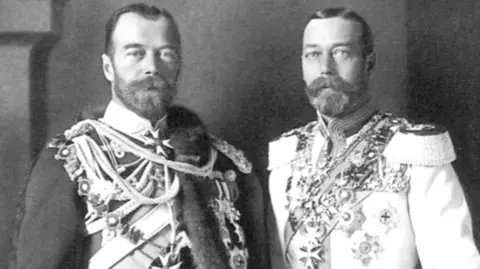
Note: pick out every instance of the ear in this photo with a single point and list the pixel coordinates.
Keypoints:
(107, 66)
(370, 62)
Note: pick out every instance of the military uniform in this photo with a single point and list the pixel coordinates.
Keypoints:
(107, 194)
(369, 191)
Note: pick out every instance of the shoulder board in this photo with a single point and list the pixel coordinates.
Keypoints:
(80, 128)
(300, 131)
(420, 144)
(284, 149)
(235, 155)
(59, 140)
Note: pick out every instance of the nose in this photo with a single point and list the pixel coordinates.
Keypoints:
(152, 65)
(327, 65)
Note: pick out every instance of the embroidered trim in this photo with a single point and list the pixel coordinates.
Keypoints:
(235, 155)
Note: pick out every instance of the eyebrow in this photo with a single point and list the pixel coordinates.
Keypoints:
(339, 44)
(138, 45)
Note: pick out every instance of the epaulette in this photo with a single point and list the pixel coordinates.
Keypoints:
(420, 144)
(80, 128)
(300, 131)
(235, 155)
(284, 149)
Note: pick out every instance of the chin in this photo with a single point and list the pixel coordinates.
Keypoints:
(329, 111)
(332, 106)
(150, 108)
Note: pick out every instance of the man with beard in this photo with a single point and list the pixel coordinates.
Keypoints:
(357, 188)
(143, 185)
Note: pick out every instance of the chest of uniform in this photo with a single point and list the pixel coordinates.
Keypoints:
(356, 207)
(362, 235)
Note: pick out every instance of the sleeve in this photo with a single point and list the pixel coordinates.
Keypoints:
(277, 217)
(253, 212)
(441, 220)
(50, 225)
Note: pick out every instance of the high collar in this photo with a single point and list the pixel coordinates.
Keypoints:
(338, 129)
(347, 125)
(127, 121)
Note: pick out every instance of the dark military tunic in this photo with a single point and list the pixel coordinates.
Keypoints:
(109, 193)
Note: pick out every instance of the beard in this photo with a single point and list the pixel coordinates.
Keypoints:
(148, 97)
(334, 97)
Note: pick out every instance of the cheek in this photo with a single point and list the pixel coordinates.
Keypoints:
(350, 73)
(127, 71)
(171, 73)
(309, 73)
(127, 74)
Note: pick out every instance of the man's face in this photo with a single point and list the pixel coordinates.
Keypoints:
(143, 64)
(334, 69)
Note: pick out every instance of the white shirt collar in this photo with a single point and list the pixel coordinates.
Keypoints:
(125, 120)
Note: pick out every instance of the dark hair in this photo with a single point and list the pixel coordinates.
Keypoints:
(146, 11)
(347, 14)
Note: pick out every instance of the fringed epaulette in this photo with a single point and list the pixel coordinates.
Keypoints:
(235, 155)
(283, 150)
(420, 144)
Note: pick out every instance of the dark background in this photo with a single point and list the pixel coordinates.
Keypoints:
(242, 75)
(443, 69)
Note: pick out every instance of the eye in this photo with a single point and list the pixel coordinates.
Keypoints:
(136, 53)
(342, 54)
(169, 55)
(312, 55)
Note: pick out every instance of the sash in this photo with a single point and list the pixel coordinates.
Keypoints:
(119, 247)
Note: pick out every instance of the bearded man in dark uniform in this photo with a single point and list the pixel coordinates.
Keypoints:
(144, 185)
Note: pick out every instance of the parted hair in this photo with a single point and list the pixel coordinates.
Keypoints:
(144, 10)
(348, 14)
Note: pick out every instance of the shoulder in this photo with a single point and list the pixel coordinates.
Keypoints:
(48, 176)
(236, 156)
(419, 144)
(62, 143)
(284, 149)
(60, 149)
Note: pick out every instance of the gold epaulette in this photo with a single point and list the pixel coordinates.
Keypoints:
(235, 155)
(80, 128)
(59, 140)
(420, 144)
(284, 149)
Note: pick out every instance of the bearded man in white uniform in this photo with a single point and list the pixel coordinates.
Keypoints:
(358, 188)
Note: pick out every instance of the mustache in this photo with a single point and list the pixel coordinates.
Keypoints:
(327, 82)
(151, 83)
(333, 82)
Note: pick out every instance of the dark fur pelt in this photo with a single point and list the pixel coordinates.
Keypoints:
(207, 248)
(187, 135)
(190, 142)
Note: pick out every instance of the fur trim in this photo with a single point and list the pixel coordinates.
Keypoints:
(207, 250)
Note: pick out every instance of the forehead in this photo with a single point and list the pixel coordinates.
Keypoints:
(326, 32)
(133, 28)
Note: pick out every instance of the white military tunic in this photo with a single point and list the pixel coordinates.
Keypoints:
(424, 221)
